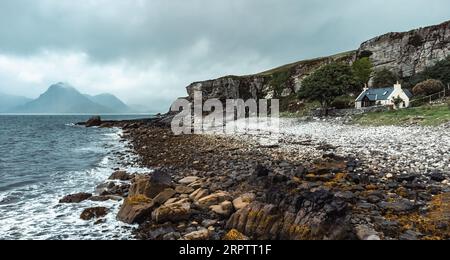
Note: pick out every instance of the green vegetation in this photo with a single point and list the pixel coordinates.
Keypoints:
(440, 71)
(384, 77)
(362, 70)
(327, 83)
(428, 87)
(343, 102)
(297, 108)
(425, 115)
(279, 81)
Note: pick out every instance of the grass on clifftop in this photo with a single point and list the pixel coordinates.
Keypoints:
(425, 115)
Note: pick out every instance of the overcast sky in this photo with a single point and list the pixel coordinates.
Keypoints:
(147, 51)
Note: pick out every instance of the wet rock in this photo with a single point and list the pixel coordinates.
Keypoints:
(135, 209)
(213, 199)
(91, 213)
(75, 198)
(202, 234)
(105, 198)
(94, 121)
(208, 223)
(121, 176)
(243, 200)
(164, 196)
(173, 213)
(188, 180)
(150, 186)
(121, 190)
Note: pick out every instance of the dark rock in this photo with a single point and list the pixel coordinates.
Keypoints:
(437, 176)
(75, 198)
(94, 121)
(401, 206)
(91, 213)
(105, 198)
(406, 178)
(121, 176)
(389, 228)
(117, 190)
(410, 235)
(261, 171)
(300, 171)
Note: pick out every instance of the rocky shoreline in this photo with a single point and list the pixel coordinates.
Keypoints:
(235, 187)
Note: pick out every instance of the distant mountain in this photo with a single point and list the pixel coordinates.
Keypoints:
(8, 102)
(110, 101)
(63, 98)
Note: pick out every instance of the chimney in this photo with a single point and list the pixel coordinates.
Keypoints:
(398, 86)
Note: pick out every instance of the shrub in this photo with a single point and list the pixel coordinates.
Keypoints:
(343, 102)
(384, 78)
(428, 87)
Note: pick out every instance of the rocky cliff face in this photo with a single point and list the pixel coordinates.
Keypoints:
(405, 53)
(410, 52)
(280, 82)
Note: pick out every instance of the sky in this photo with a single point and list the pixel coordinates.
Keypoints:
(147, 51)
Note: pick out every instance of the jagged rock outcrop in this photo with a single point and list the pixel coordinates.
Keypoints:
(410, 52)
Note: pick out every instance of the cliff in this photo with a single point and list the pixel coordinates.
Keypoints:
(410, 52)
(405, 53)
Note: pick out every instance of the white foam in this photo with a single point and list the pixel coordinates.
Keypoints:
(40, 216)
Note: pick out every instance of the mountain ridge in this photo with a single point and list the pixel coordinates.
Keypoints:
(64, 98)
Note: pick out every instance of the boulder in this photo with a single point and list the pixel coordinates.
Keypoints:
(94, 121)
(75, 198)
(213, 199)
(150, 186)
(135, 209)
(234, 235)
(188, 180)
(96, 212)
(184, 189)
(223, 209)
(121, 176)
(117, 190)
(243, 200)
(400, 206)
(172, 213)
(164, 196)
(202, 234)
(198, 194)
(105, 198)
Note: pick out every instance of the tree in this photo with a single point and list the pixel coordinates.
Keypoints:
(428, 87)
(362, 70)
(327, 83)
(384, 78)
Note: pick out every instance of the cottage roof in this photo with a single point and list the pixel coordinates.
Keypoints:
(375, 94)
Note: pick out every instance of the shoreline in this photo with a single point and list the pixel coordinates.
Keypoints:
(235, 188)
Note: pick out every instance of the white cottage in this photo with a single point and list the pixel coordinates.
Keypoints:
(371, 97)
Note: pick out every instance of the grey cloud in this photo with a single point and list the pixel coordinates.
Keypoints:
(198, 39)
